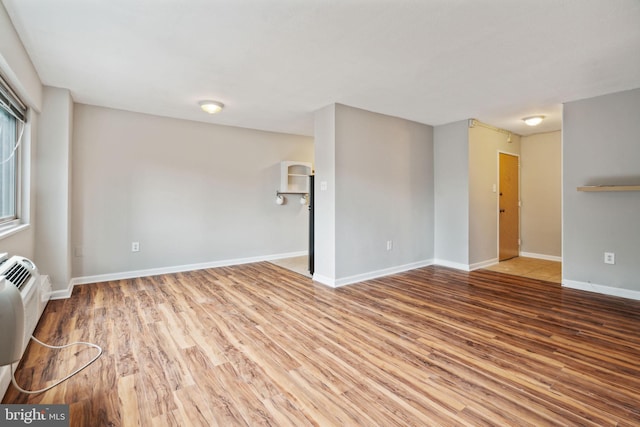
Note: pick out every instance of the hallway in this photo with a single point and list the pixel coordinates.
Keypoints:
(534, 268)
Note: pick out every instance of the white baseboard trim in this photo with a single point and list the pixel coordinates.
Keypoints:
(541, 256)
(356, 278)
(601, 289)
(483, 264)
(63, 293)
(325, 280)
(451, 264)
(66, 293)
(488, 262)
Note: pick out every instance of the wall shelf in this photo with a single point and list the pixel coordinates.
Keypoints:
(291, 192)
(294, 180)
(595, 188)
(294, 177)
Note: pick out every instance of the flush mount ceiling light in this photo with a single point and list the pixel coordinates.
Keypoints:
(533, 120)
(211, 107)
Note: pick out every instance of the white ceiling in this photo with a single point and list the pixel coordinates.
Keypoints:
(274, 62)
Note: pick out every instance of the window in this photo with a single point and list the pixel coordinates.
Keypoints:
(12, 124)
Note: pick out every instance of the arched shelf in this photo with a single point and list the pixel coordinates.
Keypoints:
(294, 177)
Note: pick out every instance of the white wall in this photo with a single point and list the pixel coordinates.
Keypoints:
(15, 64)
(600, 146)
(485, 144)
(383, 191)
(325, 199)
(188, 192)
(17, 69)
(53, 240)
(541, 184)
(451, 184)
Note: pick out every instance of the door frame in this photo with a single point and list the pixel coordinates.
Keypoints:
(498, 152)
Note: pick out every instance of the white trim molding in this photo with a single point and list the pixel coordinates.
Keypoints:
(11, 230)
(451, 264)
(601, 289)
(541, 256)
(66, 293)
(357, 278)
(325, 280)
(483, 264)
(63, 293)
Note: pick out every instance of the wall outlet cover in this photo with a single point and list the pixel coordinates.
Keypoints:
(609, 258)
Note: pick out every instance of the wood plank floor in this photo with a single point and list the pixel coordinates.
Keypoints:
(256, 345)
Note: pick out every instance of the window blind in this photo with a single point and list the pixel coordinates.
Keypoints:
(10, 102)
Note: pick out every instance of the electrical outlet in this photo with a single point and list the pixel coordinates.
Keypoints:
(609, 258)
(389, 245)
(135, 246)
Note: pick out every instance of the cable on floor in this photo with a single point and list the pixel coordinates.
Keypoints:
(58, 347)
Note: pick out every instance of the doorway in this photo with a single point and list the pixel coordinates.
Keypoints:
(303, 264)
(508, 206)
(528, 241)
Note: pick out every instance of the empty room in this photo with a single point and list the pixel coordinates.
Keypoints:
(319, 213)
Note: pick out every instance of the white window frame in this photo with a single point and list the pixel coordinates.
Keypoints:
(12, 104)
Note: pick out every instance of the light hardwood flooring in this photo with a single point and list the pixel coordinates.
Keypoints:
(541, 269)
(299, 264)
(256, 344)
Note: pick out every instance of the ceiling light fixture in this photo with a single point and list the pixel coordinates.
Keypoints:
(533, 120)
(211, 107)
